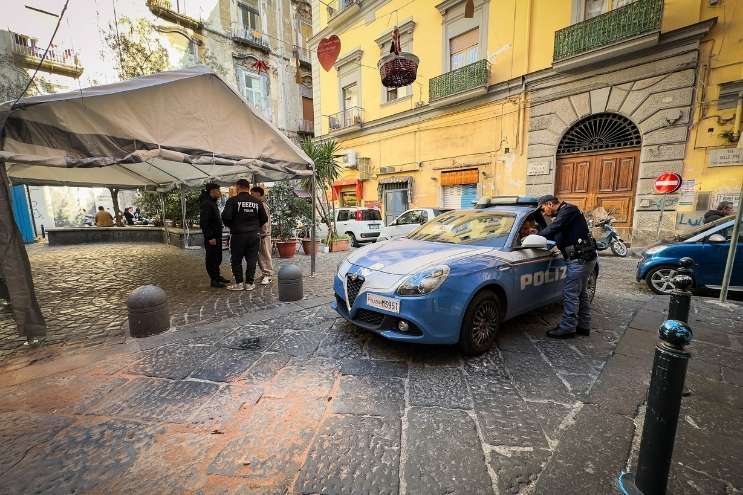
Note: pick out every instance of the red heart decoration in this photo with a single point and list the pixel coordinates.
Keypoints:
(328, 50)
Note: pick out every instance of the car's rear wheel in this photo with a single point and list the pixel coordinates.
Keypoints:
(660, 279)
(481, 323)
(354, 242)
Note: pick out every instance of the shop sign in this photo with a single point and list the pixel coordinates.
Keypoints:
(726, 157)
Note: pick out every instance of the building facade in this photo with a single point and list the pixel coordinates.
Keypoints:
(258, 46)
(588, 99)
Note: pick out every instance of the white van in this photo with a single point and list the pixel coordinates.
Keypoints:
(361, 224)
(409, 221)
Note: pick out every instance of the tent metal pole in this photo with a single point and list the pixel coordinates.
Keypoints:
(313, 234)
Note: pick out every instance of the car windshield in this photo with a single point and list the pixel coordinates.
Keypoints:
(370, 215)
(467, 227)
(691, 233)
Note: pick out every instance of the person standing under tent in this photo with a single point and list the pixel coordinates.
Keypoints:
(211, 227)
(245, 215)
(264, 252)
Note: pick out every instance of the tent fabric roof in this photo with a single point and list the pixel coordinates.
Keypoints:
(183, 127)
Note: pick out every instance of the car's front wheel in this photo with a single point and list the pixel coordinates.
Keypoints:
(660, 279)
(619, 248)
(481, 323)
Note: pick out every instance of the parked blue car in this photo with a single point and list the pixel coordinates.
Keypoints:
(708, 246)
(455, 279)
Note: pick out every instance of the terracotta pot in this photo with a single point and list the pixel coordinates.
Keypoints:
(287, 249)
(308, 247)
(341, 245)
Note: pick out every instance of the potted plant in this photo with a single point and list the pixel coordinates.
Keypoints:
(285, 216)
(338, 242)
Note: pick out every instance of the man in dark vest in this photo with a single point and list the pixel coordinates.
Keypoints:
(211, 226)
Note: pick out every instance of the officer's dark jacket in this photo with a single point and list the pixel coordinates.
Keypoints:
(244, 214)
(211, 223)
(568, 226)
(713, 215)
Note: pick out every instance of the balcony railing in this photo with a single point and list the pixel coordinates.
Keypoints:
(632, 20)
(340, 6)
(347, 118)
(465, 78)
(57, 60)
(250, 38)
(306, 127)
(164, 9)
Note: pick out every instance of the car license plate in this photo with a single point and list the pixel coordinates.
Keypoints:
(381, 302)
(374, 226)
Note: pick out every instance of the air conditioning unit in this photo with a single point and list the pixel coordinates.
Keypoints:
(351, 161)
(386, 170)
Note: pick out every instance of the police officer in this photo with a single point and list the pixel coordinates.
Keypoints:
(244, 215)
(569, 230)
(211, 226)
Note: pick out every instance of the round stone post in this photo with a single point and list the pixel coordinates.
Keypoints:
(148, 311)
(290, 283)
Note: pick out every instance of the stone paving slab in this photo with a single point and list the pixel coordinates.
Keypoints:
(353, 454)
(442, 387)
(371, 367)
(517, 468)
(225, 365)
(175, 362)
(22, 430)
(444, 454)
(369, 395)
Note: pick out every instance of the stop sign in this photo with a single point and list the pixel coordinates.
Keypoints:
(667, 183)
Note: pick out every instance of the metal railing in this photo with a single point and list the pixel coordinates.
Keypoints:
(347, 118)
(306, 126)
(634, 19)
(459, 80)
(164, 9)
(250, 37)
(303, 54)
(341, 6)
(22, 45)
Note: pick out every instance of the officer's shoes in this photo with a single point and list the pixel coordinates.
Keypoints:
(583, 331)
(239, 286)
(217, 284)
(557, 333)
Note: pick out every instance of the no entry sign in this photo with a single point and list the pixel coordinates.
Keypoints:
(667, 183)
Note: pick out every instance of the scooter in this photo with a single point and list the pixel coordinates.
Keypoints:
(610, 239)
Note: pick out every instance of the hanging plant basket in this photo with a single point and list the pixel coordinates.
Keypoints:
(398, 70)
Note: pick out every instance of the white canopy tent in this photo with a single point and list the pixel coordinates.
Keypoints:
(167, 130)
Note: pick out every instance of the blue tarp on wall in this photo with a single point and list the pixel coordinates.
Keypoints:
(22, 214)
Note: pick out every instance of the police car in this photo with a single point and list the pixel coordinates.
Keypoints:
(455, 279)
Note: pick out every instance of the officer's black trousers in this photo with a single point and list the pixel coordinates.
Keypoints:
(213, 259)
(244, 246)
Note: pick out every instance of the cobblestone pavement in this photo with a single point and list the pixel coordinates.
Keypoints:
(316, 406)
(83, 289)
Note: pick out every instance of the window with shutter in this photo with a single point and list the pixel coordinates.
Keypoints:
(464, 49)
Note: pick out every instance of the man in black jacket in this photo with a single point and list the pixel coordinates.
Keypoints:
(211, 226)
(724, 209)
(569, 230)
(244, 215)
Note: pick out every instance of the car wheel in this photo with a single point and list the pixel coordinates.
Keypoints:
(354, 242)
(660, 279)
(591, 285)
(481, 323)
(619, 248)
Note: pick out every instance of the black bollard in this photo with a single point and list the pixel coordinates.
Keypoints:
(661, 416)
(678, 307)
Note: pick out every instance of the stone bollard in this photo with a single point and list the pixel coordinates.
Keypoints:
(680, 303)
(290, 283)
(148, 311)
(661, 416)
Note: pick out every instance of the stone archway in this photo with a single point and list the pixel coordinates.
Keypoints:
(656, 96)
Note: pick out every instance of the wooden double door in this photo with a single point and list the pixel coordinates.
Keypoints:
(606, 179)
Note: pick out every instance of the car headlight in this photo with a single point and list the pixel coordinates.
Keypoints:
(654, 250)
(424, 282)
(343, 267)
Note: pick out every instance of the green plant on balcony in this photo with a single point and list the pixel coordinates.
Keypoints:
(459, 80)
(632, 20)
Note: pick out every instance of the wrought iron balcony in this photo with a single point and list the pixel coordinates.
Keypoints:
(57, 60)
(334, 10)
(251, 38)
(347, 118)
(306, 127)
(304, 56)
(164, 9)
(624, 23)
(465, 78)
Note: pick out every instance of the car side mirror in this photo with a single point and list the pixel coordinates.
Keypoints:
(534, 241)
(716, 238)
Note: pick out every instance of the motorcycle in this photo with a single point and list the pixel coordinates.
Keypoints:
(609, 239)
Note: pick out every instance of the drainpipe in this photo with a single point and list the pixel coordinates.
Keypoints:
(738, 116)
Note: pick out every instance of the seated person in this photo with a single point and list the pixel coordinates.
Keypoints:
(103, 218)
(529, 227)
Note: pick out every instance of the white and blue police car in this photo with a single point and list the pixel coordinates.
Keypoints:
(455, 279)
